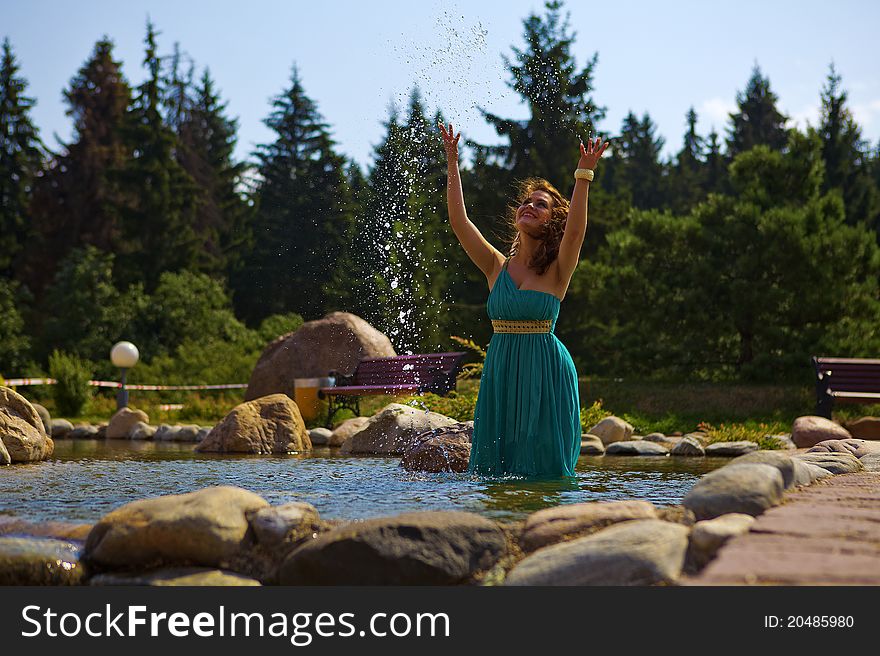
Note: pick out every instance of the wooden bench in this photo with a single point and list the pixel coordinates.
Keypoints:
(402, 374)
(845, 380)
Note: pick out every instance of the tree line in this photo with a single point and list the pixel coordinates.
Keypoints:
(738, 257)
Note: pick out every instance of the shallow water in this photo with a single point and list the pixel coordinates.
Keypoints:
(87, 478)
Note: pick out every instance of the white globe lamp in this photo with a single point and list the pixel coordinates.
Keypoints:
(123, 355)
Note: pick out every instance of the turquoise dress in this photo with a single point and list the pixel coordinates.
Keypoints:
(527, 418)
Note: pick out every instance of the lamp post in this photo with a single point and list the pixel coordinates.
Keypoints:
(123, 355)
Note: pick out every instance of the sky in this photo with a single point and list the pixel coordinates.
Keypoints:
(356, 59)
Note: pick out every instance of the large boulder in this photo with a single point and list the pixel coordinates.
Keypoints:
(731, 449)
(794, 472)
(688, 446)
(59, 428)
(836, 463)
(5, 458)
(709, 535)
(864, 428)
(21, 429)
(176, 576)
(338, 342)
(270, 424)
(393, 430)
(208, 527)
(638, 552)
(39, 561)
(346, 429)
(749, 488)
(123, 421)
(45, 416)
(446, 449)
(83, 432)
(591, 445)
(320, 436)
(573, 520)
(612, 429)
(809, 430)
(290, 521)
(422, 548)
(858, 448)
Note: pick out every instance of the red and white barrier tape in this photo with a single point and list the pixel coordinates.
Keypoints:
(15, 382)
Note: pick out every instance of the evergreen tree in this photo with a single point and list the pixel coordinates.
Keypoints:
(160, 197)
(561, 111)
(638, 169)
(686, 188)
(77, 202)
(715, 168)
(15, 342)
(303, 216)
(20, 160)
(206, 143)
(758, 121)
(846, 155)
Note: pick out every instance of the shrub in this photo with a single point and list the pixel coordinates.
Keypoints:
(72, 391)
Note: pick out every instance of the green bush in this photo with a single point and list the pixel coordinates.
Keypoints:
(72, 391)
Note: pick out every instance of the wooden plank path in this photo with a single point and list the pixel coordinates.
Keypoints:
(824, 534)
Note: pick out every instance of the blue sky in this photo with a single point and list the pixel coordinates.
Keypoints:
(355, 58)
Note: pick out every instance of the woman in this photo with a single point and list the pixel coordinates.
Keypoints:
(527, 418)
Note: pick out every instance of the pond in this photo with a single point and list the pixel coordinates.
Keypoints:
(85, 479)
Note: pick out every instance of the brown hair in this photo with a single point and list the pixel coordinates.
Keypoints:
(553, 230)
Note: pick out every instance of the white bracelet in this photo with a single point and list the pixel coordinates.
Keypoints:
(584, 174)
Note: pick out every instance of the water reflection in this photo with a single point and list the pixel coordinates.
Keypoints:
(87, 478)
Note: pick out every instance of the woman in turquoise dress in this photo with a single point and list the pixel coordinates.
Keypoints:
(527, 418)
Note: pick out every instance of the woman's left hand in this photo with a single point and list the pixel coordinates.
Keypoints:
(592, 153)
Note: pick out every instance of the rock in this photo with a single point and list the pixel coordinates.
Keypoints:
(571, 520)
(445, 449)
(836, 463)
(59, 428)
(176, 576)
(865, 428)
(39, 561)
(121, 423)
(165, 433)
(5, 458)
(270, 424)
(783, 442)
(637, 552)
(591, 445)
(421, 548)
(747, 488)
(21, 429)
(688, 446)
(635, 448)
(84, 432)
(871, 462)
(858, 448)
(660, 438)
(346, 429)
(45, 417)
(392, 430)
(203, 433)
(102, 432)
(58, 530)
(612, 429)
(809, 430)
(188, 433)
(730, 449)
(320, 436)
(709, 535)
(207, 527)
(142, 431)
(338, 342)
(274, 524)
(794, 472)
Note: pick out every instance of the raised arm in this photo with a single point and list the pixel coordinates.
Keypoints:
(576, 225)
(481, 252)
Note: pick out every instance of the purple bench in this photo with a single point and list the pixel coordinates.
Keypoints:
(402, 374)
(845, 380)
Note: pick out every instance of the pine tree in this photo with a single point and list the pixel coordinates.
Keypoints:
(206, 143)
(687, 174)
(640, 171)
(715, 168)
(758, 121)
(561, 111)
(20, 161)
(303, 216)
(77, 202)
(846, 155)
(160, 197)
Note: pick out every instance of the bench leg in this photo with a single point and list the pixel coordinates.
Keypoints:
(824, 400)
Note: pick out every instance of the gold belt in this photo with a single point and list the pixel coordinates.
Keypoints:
(527, 326)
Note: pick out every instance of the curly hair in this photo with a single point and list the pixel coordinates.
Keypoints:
(548, 250)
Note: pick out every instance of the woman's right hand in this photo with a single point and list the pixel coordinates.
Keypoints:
(450, 143)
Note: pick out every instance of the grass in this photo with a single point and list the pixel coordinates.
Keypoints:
(726, 411)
